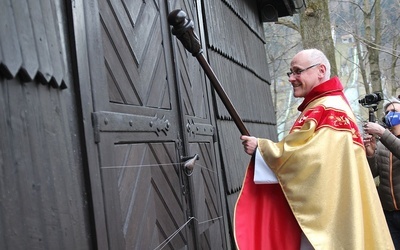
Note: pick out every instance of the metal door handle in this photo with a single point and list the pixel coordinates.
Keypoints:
(188, 163)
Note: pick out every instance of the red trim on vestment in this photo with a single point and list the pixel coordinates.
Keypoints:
(328, 88)
(332, 118)
(263, 219)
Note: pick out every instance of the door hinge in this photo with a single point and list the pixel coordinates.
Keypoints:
(104, 121)
(195, 128)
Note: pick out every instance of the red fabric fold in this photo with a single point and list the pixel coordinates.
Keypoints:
(329, 88)
(263, 218)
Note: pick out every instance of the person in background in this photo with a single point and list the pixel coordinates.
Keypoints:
(325, 197)
(384, 160)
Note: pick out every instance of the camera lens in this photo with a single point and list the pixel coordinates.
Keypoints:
(372, 98)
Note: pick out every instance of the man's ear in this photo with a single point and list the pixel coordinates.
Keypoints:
(321, 70)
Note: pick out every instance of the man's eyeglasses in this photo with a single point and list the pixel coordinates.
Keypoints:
(299, 71)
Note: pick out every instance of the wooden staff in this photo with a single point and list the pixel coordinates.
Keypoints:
(183, 29)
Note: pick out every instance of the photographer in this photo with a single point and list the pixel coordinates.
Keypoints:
(384, 161)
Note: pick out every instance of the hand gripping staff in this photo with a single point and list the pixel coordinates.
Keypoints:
(183, 30)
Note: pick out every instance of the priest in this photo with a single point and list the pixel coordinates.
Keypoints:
(324, 196)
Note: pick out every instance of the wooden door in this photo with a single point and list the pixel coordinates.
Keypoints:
(140, 135)
(149, 107)
(206, 188)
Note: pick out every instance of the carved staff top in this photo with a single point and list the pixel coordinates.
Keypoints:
(183, 29)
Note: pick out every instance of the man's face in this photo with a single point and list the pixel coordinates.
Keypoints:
(304, 75)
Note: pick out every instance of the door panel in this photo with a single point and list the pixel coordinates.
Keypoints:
(135, 64)
(143, 189)
(156, 110)
(139, 136)
(205, 183)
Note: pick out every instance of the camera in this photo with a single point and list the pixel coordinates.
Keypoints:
(371, 100)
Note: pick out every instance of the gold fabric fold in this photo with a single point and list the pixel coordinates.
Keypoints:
(324, 174)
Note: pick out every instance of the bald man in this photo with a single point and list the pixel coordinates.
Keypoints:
(325, 197)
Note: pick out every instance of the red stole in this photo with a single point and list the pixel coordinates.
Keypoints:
(263, 219)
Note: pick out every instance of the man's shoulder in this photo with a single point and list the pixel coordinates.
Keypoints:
(335, 101)
(330, 113)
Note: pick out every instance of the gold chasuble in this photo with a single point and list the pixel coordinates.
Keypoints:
(325, 188)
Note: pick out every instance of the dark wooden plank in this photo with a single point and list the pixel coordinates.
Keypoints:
(52, 33)
(149, 195)
(213, 235)
(123, 86)
(233, 157)
(119, 58)
(231, 200)
(170, 77)
(157, 92)
(111, 192)
(247, 91)
(78, 215)
(63, 22)
(207, 204)
(115, 93)
(68, 171)
(11, 59)
(45, 213)
(50, 117)
(248, 11)
(153, 57)
(199, 185)
(155, 188)
(209, 173)
(167, 226)
(30, 186)
(165, 178)
(45, 72)
(30, 63)
(2, 66)
(167, 188)
(120, 86)
(247, 49)
(136, 209)
(34, 144)
(126, 27)
(54, 204)
(41, 167)
(10, 211)
(143, 26)
(85, 14)
(134, 9)
(195, 92)
(147, 235)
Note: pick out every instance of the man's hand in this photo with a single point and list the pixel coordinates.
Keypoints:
(250, 144)
(370, 144)
(373, 128)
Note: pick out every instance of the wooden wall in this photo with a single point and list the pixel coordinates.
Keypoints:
(44, 200)
(56, 191)
(235, 47)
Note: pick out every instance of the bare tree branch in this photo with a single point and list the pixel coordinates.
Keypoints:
(288, 24)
